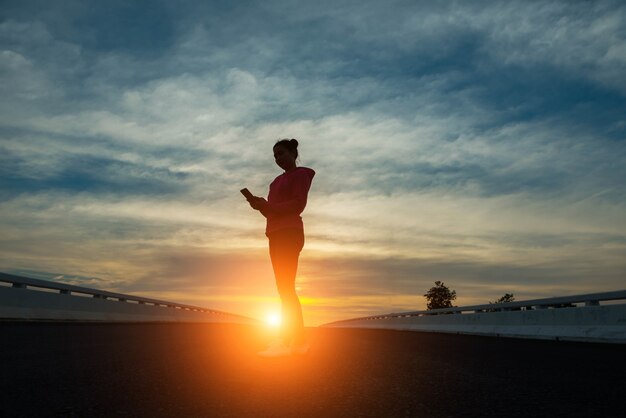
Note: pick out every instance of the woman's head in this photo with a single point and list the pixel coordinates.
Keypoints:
(286, 153)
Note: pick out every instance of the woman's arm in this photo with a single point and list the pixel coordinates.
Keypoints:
(259, 204)
(301, 183)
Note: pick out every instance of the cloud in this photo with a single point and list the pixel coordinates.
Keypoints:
(584, 40)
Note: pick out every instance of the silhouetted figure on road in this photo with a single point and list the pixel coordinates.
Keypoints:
(286, 200)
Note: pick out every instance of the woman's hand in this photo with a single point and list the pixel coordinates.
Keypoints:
(257, 203)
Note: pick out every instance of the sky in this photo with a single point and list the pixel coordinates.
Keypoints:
(477, 143)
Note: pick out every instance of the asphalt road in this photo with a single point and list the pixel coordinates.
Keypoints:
(208, 370)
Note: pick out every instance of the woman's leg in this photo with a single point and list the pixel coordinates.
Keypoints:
(285, 247)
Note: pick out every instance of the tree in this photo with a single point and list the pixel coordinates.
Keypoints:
(508, 297)
(439, 296)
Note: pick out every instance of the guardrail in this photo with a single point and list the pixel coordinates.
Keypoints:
(577, 317)
(34, 299)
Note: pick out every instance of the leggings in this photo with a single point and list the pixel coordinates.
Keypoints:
(285, 246)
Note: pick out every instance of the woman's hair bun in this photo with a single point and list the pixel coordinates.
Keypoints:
(289, 144)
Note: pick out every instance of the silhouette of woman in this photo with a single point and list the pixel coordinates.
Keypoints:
(285, 231)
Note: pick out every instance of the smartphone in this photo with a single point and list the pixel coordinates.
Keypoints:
(246, 193)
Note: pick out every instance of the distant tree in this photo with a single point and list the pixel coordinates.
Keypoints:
(508, 297)
(439, 296)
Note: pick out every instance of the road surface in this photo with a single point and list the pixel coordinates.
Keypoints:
(210, 370)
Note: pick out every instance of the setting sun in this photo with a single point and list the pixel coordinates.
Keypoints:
(273, 319)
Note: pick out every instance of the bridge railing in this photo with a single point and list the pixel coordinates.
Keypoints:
(589, 299)
(28, 298)
(586, 317)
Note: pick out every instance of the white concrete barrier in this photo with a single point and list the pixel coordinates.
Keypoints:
(32, 299)
(554, 318)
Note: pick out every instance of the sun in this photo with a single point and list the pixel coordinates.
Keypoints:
(273, 319)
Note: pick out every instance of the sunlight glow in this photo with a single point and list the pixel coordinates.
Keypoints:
(273, 319)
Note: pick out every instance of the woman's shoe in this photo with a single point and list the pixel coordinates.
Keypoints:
(278, 349)
(300, 349)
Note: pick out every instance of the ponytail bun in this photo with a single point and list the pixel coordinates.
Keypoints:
(290, 144)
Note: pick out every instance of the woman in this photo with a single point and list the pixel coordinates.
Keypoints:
(285, 231)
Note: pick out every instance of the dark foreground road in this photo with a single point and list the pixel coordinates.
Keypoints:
(200, 370)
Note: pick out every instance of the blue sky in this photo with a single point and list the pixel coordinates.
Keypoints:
(478, 143)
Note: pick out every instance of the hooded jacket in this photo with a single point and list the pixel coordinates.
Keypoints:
(287, 199)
